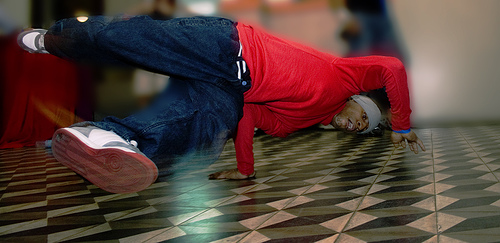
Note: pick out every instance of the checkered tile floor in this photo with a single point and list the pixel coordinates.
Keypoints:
(314, 186)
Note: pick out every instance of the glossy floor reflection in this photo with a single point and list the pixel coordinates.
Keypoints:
(314, 186)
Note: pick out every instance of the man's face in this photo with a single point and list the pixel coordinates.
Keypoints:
(352, 118)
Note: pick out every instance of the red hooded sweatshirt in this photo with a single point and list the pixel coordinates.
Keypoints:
(295, 86)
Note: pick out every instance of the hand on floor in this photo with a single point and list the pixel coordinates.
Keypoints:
(414, 142)
(233, 174)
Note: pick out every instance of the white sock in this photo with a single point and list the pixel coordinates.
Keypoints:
(42, 42)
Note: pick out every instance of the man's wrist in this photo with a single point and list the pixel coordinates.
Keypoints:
(403, 131)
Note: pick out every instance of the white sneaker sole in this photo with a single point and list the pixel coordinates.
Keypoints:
(114, 170)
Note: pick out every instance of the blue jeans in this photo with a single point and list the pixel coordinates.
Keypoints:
(190, 122)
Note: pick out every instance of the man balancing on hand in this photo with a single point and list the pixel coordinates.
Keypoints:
(226, 79)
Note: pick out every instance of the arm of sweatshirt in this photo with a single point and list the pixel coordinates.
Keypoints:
(254, 115)
(375, 72)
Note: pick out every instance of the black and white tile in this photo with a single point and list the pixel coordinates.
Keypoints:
(314, 186)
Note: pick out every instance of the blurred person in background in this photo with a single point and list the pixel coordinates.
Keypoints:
(370, 30)
(156, 9)
(226, 79)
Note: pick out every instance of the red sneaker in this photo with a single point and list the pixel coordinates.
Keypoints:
(104, 158)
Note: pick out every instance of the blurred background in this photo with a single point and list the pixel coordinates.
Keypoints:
(449, 47)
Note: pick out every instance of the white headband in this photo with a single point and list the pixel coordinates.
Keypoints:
(371, 109)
